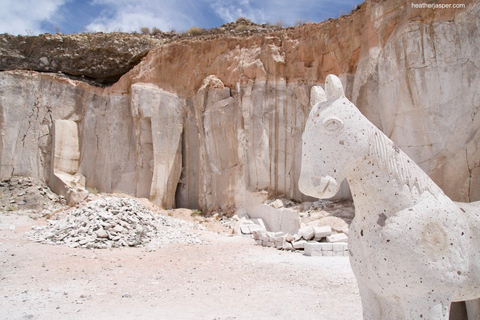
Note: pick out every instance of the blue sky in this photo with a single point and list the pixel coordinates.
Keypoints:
(73, 16)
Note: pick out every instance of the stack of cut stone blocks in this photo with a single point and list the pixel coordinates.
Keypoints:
(315, 241)
(326, 249)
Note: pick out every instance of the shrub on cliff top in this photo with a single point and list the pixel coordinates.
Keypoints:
(196, 31)
(243, 20)
(156, 31)
(241, 28)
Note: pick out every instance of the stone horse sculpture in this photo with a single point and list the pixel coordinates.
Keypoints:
(412, 249)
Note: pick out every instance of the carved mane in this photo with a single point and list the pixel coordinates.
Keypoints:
(404, 170)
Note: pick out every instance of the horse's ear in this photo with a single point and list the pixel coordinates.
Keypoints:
(317, 94)
(333, 87)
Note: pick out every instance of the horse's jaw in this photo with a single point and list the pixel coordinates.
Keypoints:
(321, 187)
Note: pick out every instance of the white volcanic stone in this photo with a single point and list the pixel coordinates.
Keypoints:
(317, 94)
(337, 237)
(111, 222)
(285, 220)
(307, 233)
(158, 116)
(413, 73)
(299, 244)
(64, 179)
(422, 92)
(412, 249)
(322, 232)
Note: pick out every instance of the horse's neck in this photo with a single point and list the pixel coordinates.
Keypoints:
(375, 190)
(387, 180)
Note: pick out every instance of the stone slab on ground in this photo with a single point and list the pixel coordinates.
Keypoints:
(322, 232)
(326, 249)
(337, 237)
(307, 233)
(299, 244)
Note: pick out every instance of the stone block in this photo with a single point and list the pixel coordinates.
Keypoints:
(278, 241)
(337, 237)
(338, 246)
(313, 249)
(322, 232)
(326, 246)
(257, 233)
(254, 227)
(299, 245)
(287, 246)
(245, 229)
(275, 234)
(327, 253)
(284, 219)
(307, 233)
(289, 238)
(259, 222)
(263, 237)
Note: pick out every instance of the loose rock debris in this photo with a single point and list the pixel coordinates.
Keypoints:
(112, 222)
(28, 196)
(324, 228)
(315, 241)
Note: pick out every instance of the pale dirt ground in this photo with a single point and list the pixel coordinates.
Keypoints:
(226, 277)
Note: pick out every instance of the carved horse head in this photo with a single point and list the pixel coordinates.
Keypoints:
(335, 137)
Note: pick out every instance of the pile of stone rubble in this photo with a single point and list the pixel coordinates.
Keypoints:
(27, 196)
(111, 222)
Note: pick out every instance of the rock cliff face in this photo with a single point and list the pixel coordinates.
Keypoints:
(99, 57)
(207, 122)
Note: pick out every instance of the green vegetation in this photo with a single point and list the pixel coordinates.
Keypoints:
(92, 190)
(195, 212)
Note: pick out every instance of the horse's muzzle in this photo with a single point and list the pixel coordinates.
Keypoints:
(318, 187)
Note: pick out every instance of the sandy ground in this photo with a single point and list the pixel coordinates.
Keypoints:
(226, 277)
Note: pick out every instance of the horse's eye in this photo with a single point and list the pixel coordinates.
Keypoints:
(333, 125)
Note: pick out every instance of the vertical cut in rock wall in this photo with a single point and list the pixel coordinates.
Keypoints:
(107, 144)
(159, 119)
(64, 179)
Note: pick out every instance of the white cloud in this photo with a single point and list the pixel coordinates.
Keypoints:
(23, 17)
(230, 10)
(275, 10)
(132, 15)
(33, 16)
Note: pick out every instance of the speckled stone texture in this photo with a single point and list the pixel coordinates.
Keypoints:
(412, 249)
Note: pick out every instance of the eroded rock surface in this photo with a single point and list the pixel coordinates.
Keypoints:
(99, 57)
(27, 196)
